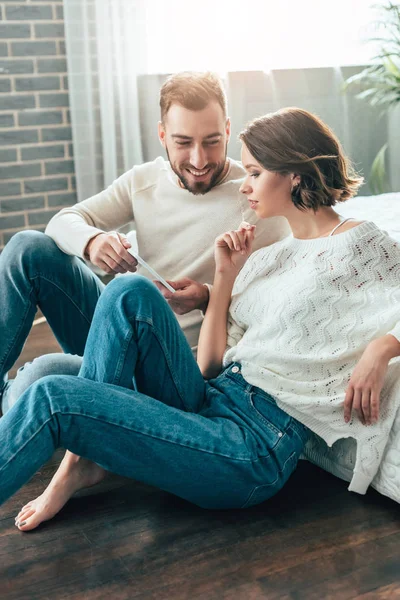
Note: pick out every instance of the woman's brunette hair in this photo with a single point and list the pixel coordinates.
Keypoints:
(293, 140)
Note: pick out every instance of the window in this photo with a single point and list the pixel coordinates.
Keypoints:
(223, 35)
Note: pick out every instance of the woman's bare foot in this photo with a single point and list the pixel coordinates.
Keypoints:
(73, 474)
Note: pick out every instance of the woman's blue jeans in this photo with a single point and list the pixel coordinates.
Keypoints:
(141, 408)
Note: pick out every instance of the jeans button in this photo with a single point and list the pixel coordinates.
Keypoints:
(235, 369)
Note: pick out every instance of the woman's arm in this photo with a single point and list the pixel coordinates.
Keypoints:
(231, 252)
(366, 382)
(387, 347)
(212, 340)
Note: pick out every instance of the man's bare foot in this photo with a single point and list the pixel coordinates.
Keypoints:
(73, 474)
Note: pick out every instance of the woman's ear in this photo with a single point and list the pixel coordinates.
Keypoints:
(296, 179)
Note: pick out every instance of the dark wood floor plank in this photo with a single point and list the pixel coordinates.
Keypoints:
(389, 592)
(41, 341)
(315, 540)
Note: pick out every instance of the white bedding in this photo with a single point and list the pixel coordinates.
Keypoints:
(384, 211)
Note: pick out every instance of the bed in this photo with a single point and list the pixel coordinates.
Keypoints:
(383, 210)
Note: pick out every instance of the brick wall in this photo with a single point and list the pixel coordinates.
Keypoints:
(36, 158)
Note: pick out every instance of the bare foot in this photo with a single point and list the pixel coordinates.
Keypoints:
(73, 474)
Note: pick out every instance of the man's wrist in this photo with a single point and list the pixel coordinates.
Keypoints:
(86, 252)
(204, 304)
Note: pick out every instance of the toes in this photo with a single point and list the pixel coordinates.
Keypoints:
(23, 509)
(24, 515)
(29, 523)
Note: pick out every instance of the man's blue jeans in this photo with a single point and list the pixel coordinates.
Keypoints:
(219, 444)
(35, 272)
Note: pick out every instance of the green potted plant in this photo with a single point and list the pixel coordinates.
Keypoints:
(380, 81)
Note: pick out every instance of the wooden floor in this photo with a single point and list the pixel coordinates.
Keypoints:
(314, 540)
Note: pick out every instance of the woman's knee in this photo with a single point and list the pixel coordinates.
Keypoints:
(129, 290)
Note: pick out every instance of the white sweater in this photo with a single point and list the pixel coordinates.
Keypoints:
(175, 229)
(302, 313)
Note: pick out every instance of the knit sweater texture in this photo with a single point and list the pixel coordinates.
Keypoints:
(302, 314)
(175, 229)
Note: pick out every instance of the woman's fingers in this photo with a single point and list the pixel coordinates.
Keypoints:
(228, 241)
(352, 404)
(246, 233)
(357, 405)
(364, 402)
(366, 406)
(348, 403)
(249, 235)
(374, 406)
(236, 240)
(239, 240)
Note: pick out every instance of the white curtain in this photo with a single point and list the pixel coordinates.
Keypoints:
(106, 52)
(112, 46)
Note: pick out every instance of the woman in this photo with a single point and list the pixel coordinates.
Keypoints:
(297, 337)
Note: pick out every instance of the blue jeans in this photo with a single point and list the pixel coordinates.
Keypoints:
(35, 272)
(219, 444)
(56, 363)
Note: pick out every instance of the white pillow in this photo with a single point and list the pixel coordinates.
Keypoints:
(383, 210)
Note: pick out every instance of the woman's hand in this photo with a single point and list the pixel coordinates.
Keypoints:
(233, 248)
(366, 382)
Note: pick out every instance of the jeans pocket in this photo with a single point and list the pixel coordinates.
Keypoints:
(268, 412)
(261, 493)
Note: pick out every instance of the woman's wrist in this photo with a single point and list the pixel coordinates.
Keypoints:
(385, 347)
(225, 276)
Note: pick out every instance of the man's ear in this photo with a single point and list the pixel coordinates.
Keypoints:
(161, 133)
(228, 128)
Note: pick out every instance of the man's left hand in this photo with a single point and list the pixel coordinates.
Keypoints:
(189, 295)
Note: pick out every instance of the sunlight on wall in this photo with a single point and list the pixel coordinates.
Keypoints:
(226, 35)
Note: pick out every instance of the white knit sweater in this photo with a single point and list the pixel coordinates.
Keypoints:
(302, 313)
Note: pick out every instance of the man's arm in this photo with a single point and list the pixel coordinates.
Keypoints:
(73, 228)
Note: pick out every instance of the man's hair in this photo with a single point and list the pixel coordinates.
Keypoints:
(293, 140)
(193, 91)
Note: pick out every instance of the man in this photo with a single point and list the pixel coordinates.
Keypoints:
(179, 207)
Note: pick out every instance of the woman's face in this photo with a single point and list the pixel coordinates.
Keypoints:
(268, 193)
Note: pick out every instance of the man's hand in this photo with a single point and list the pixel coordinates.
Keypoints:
(109, 252)
(188, 296)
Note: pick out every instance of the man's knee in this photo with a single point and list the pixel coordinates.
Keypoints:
(49, 364)
(43, 366)
(30, 244)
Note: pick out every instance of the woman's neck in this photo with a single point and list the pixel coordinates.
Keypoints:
(310, 225)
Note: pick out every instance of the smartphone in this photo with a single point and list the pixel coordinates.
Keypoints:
(144, 264)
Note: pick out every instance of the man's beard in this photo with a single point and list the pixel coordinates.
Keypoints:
(200, 187)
